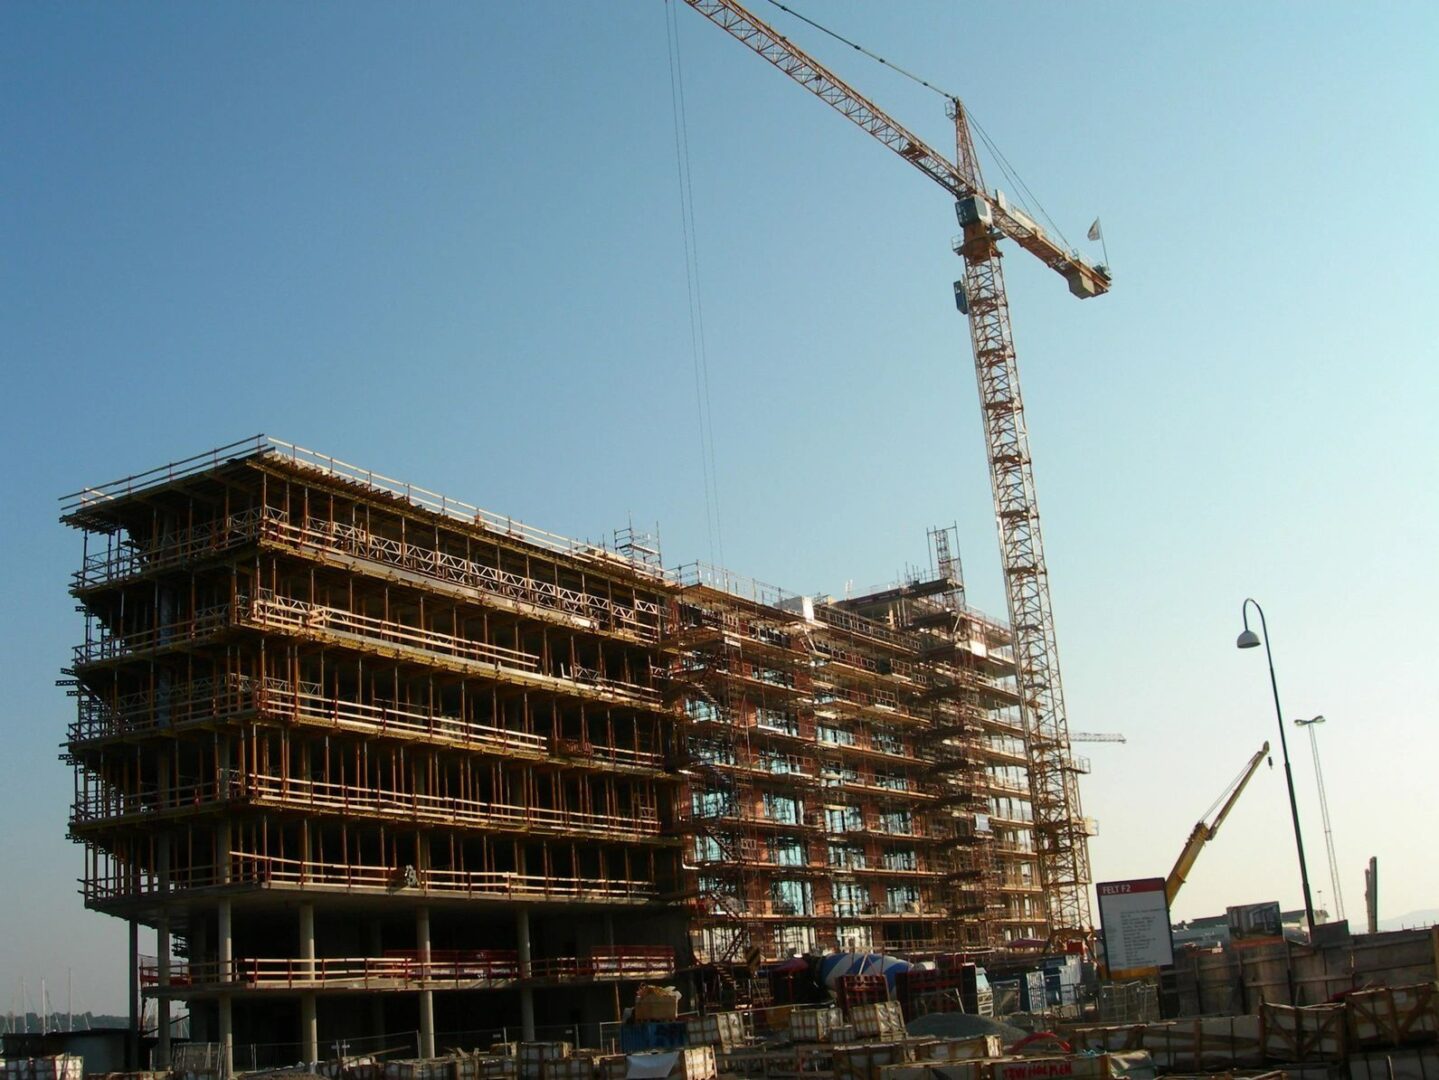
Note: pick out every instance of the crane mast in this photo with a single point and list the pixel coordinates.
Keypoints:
(1061, 834)
(1061, 831)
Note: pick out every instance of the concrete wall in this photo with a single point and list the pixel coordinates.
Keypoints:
(1239, 980)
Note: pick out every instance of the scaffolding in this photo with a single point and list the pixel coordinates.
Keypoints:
(338, 732)
(844, 769)
(334, 731)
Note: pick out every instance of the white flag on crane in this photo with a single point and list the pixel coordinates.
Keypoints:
(1095, 233)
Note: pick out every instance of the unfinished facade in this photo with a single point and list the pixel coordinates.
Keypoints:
(373, 760)
(856, 770)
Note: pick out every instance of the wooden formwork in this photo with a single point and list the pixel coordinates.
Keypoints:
(863, 1061)
(979, 1047)
(534, 1056)
(1409, 1063)
(724, 1030)
(1195, 1044)
(1306, 1033)
(1393, 1015)
(878, 1020)
(813, 1024)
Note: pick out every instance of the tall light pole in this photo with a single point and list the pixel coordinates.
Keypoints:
(1249, 640)
(1324, 815)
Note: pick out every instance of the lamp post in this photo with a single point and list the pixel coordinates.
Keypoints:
(1338, 893)
(1249, 640)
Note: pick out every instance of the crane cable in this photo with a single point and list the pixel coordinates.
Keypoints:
(1226, 792)
(1010, 173)
(698, 351)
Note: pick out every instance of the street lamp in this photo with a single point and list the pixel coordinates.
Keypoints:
(1324, 815)
(1249, 640)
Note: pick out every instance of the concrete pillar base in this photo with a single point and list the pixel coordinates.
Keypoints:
(527, 994)
(309, 1029)
(427, 997)
(227, 1038)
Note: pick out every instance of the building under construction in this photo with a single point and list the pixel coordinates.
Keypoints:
(367, 759)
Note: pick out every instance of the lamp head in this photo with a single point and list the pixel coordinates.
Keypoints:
(1247, 640)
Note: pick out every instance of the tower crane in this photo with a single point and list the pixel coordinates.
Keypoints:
(1096, 736)
(1061, 831)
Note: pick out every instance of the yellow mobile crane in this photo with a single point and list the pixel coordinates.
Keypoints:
(1205, 832)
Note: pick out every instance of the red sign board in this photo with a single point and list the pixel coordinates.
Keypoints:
(1134, 916)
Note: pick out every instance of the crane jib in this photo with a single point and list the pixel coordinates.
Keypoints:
(1085, 279)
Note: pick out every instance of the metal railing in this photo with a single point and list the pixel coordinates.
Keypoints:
(249, 869)
(209, 700)
(128, 561)
(269, 609)
(204, 624)
(451, 968)
(457, 570)
(91, 499)
(98, 801)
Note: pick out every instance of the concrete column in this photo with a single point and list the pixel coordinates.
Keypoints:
(527, 993)
(225, 961)
(309, 1027)
(199, 938)
(132, 1046)
(307, 942)
(222, 853)
(225, 940)
(377, 998)
(227, 1038)
(162, 933)
(610, 941)
(162, 1001)
(427, 996)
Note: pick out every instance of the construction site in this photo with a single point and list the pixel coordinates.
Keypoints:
(385, 784)
(343, 740)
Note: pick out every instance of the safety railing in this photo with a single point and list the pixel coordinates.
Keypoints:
(280, 973)
(727, 581)
(210, 700)
(142, 711)
(98, 801)
(117, 881)
(127, 560)
(204, 624)
(618, 962)
(458, 570)
(268, 609)
(467, 968)
(498, 884)
(92, 500)
(639, 822)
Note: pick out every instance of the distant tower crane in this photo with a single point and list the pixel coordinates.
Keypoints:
(1061, 831)
(1096, 736)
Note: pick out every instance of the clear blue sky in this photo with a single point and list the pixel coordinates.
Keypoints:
(444, 242)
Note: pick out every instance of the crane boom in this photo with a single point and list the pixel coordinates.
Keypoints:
(1203, 833)
(1061, 832)
(1085, 279)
